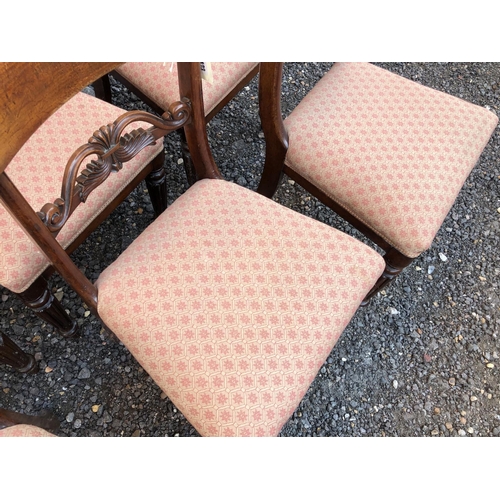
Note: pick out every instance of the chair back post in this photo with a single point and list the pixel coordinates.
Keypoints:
(196, 129)
(275, 134)
(19, 208)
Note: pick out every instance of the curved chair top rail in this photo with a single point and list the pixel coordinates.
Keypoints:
(31, 92)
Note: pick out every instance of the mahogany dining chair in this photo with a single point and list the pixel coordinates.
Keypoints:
(387, 154)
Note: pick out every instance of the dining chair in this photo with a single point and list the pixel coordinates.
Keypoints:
(12, 355)
(38, 170)
(155, 83)
(387, 154)
(230, 301)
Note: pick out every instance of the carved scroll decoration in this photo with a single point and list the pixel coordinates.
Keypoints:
(113, 148)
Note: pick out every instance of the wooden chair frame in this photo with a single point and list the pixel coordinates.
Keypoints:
(38, 296)
(120, 148)
(276, 137)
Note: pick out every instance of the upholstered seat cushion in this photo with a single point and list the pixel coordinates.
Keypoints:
(159, 81)
(232, 302)
(392, 152)
(38, 169)
(23, 430)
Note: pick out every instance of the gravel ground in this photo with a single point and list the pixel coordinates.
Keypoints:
(422, 359)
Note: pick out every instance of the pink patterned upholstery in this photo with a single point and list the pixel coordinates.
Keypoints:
(37, 170)
(23, 430)
(392, 152)
(161, 85)
(232, 303)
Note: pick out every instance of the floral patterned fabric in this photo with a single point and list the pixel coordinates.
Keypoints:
(232, 303)
(37, 171)
(392, 152)
(159, 81)
(23, 430)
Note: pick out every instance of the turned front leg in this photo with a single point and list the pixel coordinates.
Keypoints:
(12, 355)
(40, 299)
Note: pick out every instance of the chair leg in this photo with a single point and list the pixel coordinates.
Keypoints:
(188, 162)
(11, 354)
(395, 262)
(102, 88)
(45, 419)
(39, 298)
(156, 182)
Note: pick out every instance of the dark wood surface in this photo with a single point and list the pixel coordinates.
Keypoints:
(31, 92)
(11, 354)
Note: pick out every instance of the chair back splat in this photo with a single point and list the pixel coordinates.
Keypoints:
(230, 302)
(113, 147)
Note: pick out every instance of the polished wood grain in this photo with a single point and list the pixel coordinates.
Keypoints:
(31, 92)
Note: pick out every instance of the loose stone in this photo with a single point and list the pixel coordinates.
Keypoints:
(84, 373)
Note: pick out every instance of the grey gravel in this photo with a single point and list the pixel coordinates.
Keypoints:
(388, 373)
